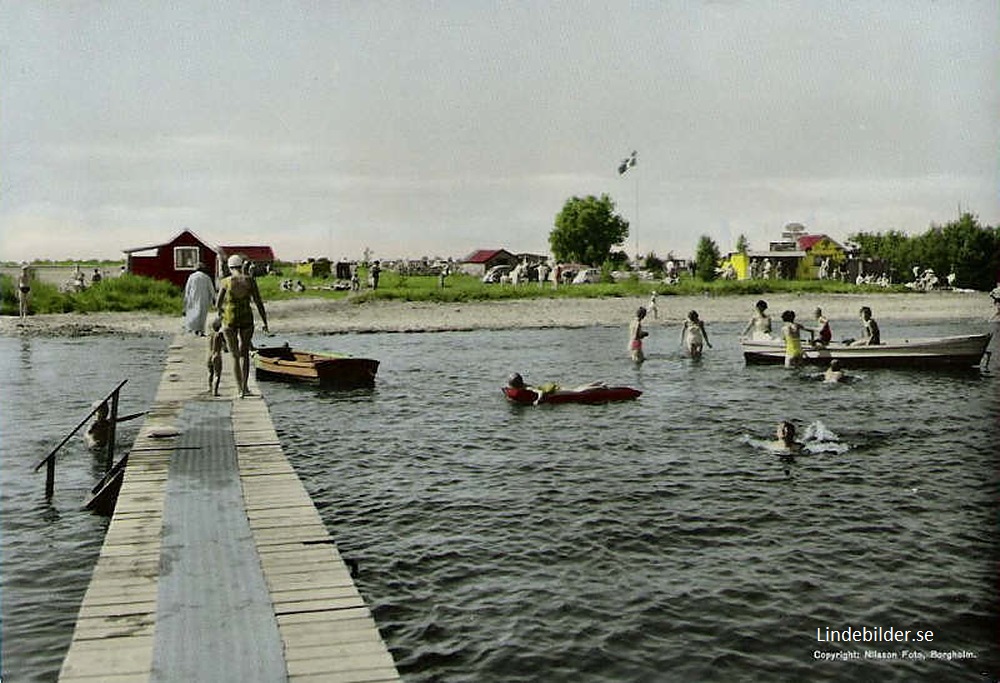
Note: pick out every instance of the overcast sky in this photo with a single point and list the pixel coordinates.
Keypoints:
(436, 128)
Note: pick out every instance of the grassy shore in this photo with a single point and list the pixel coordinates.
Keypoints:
(132, 293)
(128, 293)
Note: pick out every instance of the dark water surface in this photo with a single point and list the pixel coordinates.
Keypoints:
(657, 540)
(48, 548)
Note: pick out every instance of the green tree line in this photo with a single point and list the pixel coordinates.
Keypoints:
(963, 247)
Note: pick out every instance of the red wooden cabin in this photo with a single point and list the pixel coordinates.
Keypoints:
(173, 261)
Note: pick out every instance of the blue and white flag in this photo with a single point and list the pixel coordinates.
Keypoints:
(628, 162)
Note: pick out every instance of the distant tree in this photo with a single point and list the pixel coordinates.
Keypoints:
(964, 247)
(654, 263)
(706, 258)
(742, 245)
(618, 259)
(586, 230)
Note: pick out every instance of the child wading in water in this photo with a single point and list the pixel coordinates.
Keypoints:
(694, 336)
(216, 347)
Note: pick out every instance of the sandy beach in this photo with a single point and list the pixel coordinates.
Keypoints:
(320, 316)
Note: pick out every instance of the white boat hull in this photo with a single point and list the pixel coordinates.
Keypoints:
(963, 351)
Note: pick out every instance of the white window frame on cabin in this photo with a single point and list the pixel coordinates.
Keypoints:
(183, 260)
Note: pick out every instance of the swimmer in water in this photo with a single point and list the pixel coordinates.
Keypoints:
(786, 438)
(834, 373)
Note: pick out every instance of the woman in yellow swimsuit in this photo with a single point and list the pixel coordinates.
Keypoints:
(790, 332)
(236, 293)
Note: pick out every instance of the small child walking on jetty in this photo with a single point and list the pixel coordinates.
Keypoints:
(216, 347)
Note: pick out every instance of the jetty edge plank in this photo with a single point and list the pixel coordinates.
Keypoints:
(324, 630)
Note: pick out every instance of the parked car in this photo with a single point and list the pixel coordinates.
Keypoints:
(494, 274)
(587, 276)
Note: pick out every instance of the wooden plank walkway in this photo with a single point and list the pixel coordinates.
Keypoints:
(194, 583)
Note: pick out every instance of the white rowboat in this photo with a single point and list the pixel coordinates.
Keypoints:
(961, 351)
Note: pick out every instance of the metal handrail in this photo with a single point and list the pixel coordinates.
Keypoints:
(50, 459)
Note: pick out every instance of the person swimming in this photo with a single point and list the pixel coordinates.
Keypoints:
(834, 373)
(786, 442)
(816, 439)
(99, 431)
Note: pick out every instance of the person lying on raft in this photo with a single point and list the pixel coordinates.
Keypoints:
(515, 381)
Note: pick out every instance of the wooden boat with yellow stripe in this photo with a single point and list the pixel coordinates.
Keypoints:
(282, 363)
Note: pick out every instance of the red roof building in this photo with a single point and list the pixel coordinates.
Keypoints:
(806, 242)
(262, 257)
(478, 262)
(173, 261)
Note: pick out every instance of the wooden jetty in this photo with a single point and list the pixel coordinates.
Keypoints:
(216, 565)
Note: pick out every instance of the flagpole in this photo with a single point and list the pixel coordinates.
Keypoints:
(627, 163)
(637, 256)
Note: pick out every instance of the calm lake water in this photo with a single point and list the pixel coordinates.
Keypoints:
(645, 541)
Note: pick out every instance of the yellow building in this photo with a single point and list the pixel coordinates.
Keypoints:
(802, 257)
(823, 257)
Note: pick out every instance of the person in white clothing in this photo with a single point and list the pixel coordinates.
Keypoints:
(199, 294)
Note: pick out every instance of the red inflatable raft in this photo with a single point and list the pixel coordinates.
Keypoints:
(589, 394)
